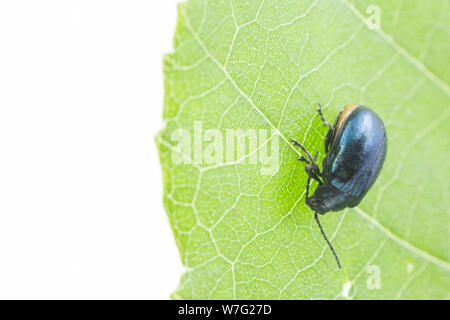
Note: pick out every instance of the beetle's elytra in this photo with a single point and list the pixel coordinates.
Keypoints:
(355, 148)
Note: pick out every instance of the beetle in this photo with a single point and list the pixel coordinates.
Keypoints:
(355, 150)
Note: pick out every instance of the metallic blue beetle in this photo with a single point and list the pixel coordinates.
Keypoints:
(355, 150)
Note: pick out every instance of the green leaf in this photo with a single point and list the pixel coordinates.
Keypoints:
(263, 65)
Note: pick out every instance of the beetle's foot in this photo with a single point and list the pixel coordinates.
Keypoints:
(303, 159)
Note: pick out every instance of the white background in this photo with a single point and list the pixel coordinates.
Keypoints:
(81, 93)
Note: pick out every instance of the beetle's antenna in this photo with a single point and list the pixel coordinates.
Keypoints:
(326, 239)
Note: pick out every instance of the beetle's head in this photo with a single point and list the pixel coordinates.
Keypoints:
(327, 198)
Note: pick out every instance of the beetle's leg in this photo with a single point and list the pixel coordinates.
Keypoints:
(312, 174)
(309, 168)
(316, 155)
(302, 158)
(325, 123)
(297, 144)
(307, 187)
(316, 167)
(314, 170)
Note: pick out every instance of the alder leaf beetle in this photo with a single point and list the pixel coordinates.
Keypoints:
(355, 149)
